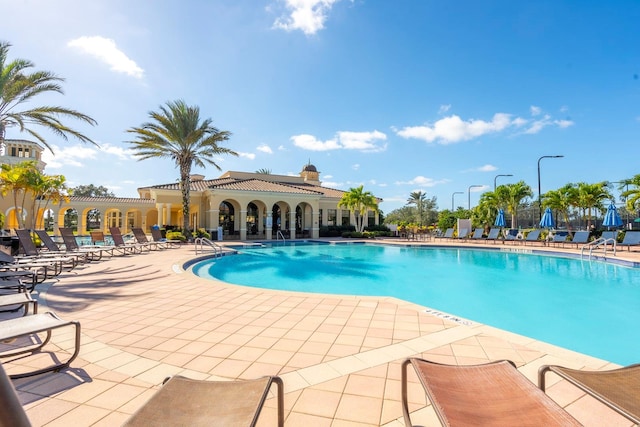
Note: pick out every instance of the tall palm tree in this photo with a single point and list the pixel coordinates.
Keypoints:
(17, 87)
(264, 171)
(177, 132)
(561, 200)
(512, 196)
(592, 196)
(418, 198)
(359, 202)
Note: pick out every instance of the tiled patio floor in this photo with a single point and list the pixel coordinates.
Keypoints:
(143, 318)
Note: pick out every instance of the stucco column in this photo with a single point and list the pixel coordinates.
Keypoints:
(243, 225)
(214, 219)
(325, 217)
(292, 224)
(168, 213)
(315, 225)
(269, 230)
(160, 208)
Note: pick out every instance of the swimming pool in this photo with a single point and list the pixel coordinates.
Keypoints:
(587, 306)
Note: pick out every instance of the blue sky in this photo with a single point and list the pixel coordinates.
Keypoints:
(399, 96)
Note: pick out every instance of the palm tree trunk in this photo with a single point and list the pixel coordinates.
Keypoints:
(185, 171)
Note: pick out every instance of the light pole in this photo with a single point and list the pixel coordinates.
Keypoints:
(494, 181)
(469, 195)
(540, 195)
(457, 192)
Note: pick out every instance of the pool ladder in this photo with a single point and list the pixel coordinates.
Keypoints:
(597, 244)
(278, 235)
(204, 245)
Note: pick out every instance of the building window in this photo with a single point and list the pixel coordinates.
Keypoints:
(331, 217)
(346, 218)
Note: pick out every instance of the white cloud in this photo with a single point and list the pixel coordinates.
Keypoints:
(363, 141)
(564, 123)
(487, 168)
(332, 184)
(453, 129)
(535, 111)
(250, 156)
(344, 140)
(309, 142)
(282, 148)
(121, 153)
(444, 108)
(106, 51)
(265, 149)
(69, 156)
(328, 176)
(422, 181)
(307, 16)
(355, 167)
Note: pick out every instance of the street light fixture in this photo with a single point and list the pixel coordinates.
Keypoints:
(540, 195)
(469, 194)
(494, 181)
(457, 192)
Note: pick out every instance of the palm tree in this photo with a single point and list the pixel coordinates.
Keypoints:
(264, 171)
(561, 200)
(359, 202)
(18, 87)
(632, 195)
(178, 133)
(511, 196)
(418, 198)
(592, 196)
(13, 179)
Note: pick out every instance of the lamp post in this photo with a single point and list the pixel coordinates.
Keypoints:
(540, 195)
(457, 192)
(494, 181)
(469, 195)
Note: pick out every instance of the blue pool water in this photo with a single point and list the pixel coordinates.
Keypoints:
(587, 306)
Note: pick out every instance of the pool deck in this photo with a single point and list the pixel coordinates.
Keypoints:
(144, 318)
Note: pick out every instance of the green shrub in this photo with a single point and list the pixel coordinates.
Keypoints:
(176, 235)
(201, 232)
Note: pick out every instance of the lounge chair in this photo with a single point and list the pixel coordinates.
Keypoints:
(492, 394)
(14, 280)
(631, 238)
(40, 269)
(180, 401)
(511, 235)
(463, 233)
(141, 238)
(477, 234)
(52, 247)
(617, 388)
(157, 237)
(31, 251)
(448, 234)
(71, 245)
(186, 402)
(559, 237)
(28, 326)
(494, 234)
(532, 237)
(132, 247)
(579, 238)
(12, 413)
(15, 301)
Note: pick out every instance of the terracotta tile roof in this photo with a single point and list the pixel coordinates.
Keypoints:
(126, 200)
(265, 186)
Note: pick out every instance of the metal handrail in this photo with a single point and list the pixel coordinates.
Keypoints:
(600, 242)
(201, 245)
(278, 235)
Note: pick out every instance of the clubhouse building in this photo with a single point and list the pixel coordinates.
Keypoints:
(236, 205)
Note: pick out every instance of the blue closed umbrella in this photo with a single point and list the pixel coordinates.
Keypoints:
(547, 219)
(612, 218)
(500, 222)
